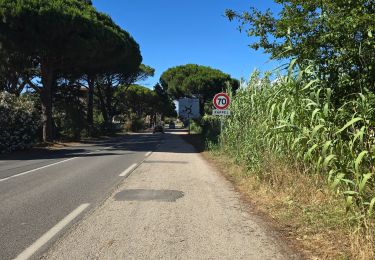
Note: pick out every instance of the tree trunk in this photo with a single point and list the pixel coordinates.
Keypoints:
(47, 76)
(103, 108)
(109, 105)
(90, 104)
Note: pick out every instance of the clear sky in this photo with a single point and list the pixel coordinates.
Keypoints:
(177, 32)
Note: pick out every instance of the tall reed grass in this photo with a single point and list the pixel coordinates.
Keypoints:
(295, 119)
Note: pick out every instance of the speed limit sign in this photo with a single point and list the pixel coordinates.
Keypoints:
(221, 101)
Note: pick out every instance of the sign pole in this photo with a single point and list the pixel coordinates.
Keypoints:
(221, 124)
(221, 102)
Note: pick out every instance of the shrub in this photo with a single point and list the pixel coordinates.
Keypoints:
(69, 112)
(211, 128)
(19, 122)
(195, 126)
(135, 125)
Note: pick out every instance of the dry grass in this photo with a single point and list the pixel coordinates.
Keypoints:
(306, 211)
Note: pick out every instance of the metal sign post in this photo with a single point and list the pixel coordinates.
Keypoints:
(221, 102)
(221, 124)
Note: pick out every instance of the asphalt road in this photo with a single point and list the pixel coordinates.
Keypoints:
(41, 189)
(175, 205)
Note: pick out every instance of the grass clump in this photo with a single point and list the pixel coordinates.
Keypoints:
(310, 154)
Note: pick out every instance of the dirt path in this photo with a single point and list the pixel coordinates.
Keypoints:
(173, 206)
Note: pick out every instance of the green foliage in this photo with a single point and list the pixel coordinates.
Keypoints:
(83, 35)
(136, 99)
(166, 106)
(195, 126)
(196, 80)
(320, 117)
(211, 128)
(296, 120)
(142, 73)
(140, 101)
(135, 125)
(336, 36)
(69, 112)
(14, 72)
(63, 37)
(19, 122)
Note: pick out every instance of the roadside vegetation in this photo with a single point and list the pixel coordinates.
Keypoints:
(304, 139)
(295, 141)
(19, 122)
(301, 160)
(300, 140)
(73, 66)
(196, 81)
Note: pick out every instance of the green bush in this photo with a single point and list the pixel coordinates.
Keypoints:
(195, 126)
(295, 120)
(19, 122)
(211, 128)
(135, 125)
(69, 112)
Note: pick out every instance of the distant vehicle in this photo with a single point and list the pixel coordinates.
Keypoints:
(159, 129)
(172, 125)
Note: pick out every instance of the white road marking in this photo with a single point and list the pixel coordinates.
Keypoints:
(147, 154)
(36, 169)
(28, 252)
(128, 170)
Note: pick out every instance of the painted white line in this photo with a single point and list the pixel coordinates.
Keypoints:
(148, 154)
(128, 170)
(36, 169)
(28, 252)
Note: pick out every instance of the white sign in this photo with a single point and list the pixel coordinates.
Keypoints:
(188, 108)
(220, 112)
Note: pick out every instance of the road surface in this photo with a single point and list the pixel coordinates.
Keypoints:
(173, 206)
(42, 193)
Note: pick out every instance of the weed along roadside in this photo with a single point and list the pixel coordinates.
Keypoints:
(301, 161)
(82, 107)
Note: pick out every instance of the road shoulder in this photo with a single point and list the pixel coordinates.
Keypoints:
(174, 205)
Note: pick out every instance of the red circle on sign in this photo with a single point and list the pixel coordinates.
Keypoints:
(221, 101)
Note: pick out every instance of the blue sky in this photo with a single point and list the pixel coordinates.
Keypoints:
(177, 32)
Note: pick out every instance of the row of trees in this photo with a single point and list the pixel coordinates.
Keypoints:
(58, 47)
(82, 68)
(142, 102)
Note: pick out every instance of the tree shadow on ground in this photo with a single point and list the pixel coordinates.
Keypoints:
(120, 145)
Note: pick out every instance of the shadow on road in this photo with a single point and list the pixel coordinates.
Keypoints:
(104, 147)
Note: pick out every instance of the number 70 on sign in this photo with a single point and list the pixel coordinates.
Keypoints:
(221, 101)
